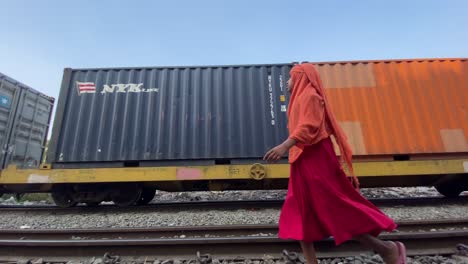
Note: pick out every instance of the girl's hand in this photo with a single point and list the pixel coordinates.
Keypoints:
(279, 151)
(275, 153)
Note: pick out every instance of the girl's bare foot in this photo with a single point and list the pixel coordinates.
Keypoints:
(391, 257)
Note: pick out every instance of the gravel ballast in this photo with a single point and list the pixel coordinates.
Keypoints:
(115, 218)
(460, 258)
(161, 196)
(389, 192)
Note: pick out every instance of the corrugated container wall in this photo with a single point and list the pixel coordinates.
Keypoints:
(401, 107)
(238, 112)
(170, 113)
(24, 123)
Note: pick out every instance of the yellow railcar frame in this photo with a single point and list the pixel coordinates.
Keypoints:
(47, 175)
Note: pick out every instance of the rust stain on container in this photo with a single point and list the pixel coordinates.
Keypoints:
(414, 106)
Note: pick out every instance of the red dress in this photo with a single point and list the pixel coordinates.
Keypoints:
(321, 202)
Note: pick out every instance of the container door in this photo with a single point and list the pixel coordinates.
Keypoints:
(28, 137)
(9, 95)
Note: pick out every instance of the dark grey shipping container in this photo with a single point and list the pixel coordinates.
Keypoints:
(164, 115)
(24, 122)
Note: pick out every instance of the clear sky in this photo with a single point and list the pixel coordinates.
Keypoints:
(38, 38)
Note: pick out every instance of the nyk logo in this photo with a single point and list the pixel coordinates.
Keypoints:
(89, 87)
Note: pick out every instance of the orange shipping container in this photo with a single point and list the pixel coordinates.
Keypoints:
(401, 107)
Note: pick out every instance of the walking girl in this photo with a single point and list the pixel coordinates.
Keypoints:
(321, 201)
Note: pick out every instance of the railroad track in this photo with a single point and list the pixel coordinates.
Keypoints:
(228, 204)
(250, 241)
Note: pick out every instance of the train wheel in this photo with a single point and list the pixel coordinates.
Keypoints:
(63, 199)
(126, 195)
(450, 189)
(147, 196)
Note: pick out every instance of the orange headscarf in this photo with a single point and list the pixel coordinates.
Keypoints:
(310, 116)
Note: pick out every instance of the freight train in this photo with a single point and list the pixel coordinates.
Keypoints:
(121, 133)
